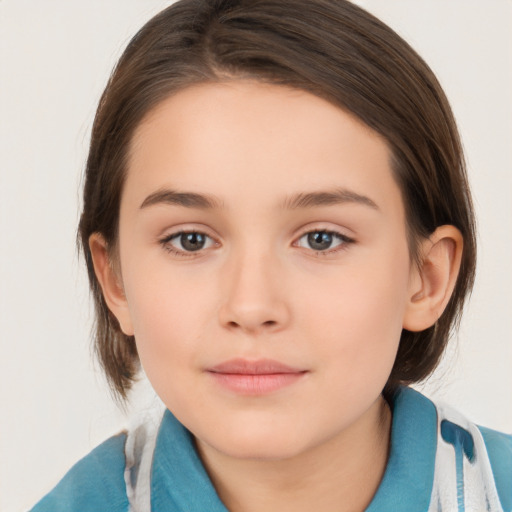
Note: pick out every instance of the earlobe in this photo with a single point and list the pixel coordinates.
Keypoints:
(110, 281)
(433, 281)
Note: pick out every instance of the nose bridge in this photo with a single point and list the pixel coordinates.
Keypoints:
(251, 269)
(253, 297)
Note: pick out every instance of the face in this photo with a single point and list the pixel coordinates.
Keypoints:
(264, 263)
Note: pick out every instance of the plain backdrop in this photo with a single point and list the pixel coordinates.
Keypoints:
(56, 56)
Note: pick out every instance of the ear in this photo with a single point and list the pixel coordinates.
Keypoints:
(432, 282)
(109, 277)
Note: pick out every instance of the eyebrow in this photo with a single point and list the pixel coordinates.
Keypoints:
(294, 202)
(186, 199)
(327, 198)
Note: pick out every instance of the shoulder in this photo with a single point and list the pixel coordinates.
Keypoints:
(94, 483)
(499, 449)
(482, 460)
(453, 458)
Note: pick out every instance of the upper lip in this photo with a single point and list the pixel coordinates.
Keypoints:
(257, 367)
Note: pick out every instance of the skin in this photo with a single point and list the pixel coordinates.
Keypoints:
(259, 289)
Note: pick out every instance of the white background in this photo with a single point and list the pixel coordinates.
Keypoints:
(56, 56)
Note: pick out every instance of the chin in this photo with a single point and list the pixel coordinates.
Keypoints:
(259, 450)
(258, 443)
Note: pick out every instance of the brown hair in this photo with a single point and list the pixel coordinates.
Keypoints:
(330, 48)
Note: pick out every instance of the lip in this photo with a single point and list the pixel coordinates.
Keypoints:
(259, 367)
(259, 377)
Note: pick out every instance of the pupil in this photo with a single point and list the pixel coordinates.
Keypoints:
(192, 241)
(320, 240)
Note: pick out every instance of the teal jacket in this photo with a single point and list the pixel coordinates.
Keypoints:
(438, 461)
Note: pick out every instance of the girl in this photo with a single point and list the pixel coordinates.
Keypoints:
(277, 226)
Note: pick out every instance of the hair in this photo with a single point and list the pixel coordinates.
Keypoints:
(330, 48)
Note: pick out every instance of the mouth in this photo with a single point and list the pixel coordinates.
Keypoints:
(253, 378)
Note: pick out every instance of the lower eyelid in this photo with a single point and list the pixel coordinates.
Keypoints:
(165, 242)
(344, 239)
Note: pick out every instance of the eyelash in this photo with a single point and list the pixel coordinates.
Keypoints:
(344, 239)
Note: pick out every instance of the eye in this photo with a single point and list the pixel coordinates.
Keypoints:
(185, 242)
(324, 241)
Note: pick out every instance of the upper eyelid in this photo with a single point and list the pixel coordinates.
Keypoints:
(177, 234)
(342, 233)
(324, 230)
(345, 239)
(201, 231)
(302, 233)
(166, 241)
(339, 233)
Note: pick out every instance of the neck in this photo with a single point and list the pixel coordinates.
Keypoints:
(342, 474)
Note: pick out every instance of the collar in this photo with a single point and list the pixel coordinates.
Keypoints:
(409, 476)
(180, 482)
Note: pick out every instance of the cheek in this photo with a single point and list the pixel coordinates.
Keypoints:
(358, 313)
(168, 315)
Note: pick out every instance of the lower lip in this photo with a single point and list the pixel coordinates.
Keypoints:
(253, 385)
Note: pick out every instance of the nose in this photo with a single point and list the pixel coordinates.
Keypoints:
(254, 298)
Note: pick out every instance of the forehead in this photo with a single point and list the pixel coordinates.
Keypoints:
(250, 143)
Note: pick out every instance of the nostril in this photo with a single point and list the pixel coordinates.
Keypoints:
(252, 326)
